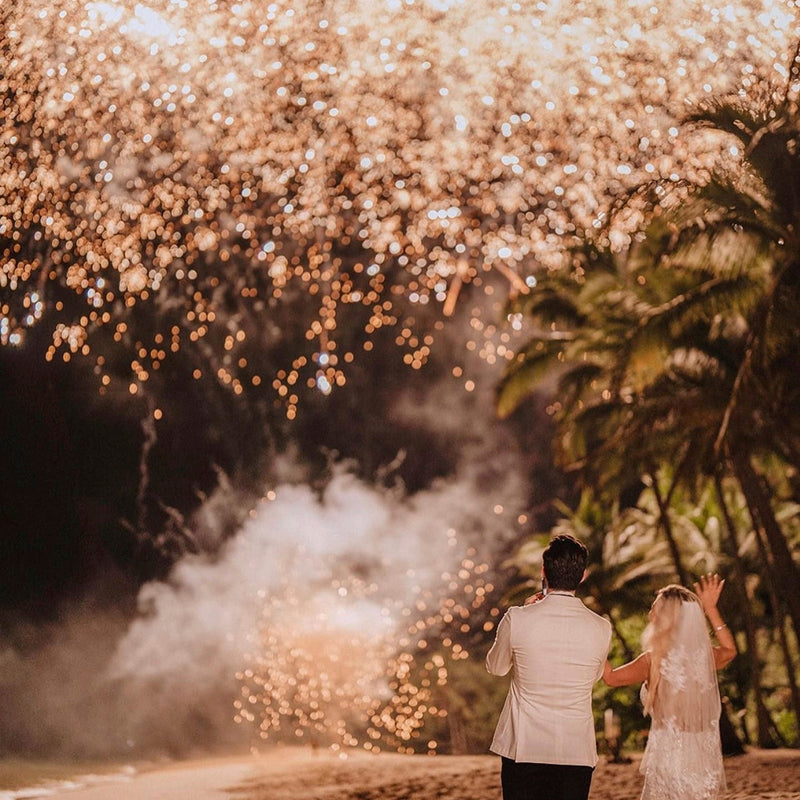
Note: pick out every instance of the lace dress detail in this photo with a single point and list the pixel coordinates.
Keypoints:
(683, 765)
(683, 757)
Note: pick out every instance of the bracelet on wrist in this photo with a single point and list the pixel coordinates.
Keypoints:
(720, 627)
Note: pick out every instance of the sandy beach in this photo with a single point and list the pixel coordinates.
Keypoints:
(302, 775)
(756, 776)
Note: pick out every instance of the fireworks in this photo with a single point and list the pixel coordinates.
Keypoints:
(294, 177)
(344, 669)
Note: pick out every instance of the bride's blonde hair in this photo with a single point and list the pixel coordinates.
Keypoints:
(658, 636)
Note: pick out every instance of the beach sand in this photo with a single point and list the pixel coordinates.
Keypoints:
(766, 775)
(296, 774)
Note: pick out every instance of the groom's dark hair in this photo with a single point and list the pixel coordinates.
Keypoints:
(564, 562)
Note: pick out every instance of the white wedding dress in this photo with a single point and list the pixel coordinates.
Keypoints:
(683, 756)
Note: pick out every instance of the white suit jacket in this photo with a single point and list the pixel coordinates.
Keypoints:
(557, 648)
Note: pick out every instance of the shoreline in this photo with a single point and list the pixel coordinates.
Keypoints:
(28, 778)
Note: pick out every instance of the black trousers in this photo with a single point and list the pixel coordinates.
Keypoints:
(524, 781)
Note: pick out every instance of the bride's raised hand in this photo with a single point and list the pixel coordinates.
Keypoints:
(708, 590)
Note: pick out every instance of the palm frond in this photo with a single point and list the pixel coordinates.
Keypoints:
(731, 114)
(552, 305)
(526, 372)
(781, 335)
(704, 302)
(646, 359)
(575, 383)
(741, 199)
(723, 250)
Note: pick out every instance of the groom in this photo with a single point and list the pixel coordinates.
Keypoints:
(557, 649)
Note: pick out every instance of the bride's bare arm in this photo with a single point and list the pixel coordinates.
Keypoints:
(636, 671)
(708, 590)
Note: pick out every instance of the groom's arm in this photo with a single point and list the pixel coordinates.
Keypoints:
(499, 659)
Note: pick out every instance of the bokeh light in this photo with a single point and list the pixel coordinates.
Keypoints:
(346, 667)
(197, 176)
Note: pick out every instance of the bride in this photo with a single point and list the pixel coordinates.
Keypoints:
(683, 756)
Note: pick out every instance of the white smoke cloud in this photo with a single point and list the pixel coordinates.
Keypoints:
(165, 683)
(194, 630)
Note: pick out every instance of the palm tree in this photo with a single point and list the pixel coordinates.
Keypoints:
(682, 348)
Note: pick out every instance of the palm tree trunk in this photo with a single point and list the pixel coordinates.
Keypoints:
(791, 672)
(780, 563)
(779, 615)
(775, 605)
(764, 723)
(666, 526)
